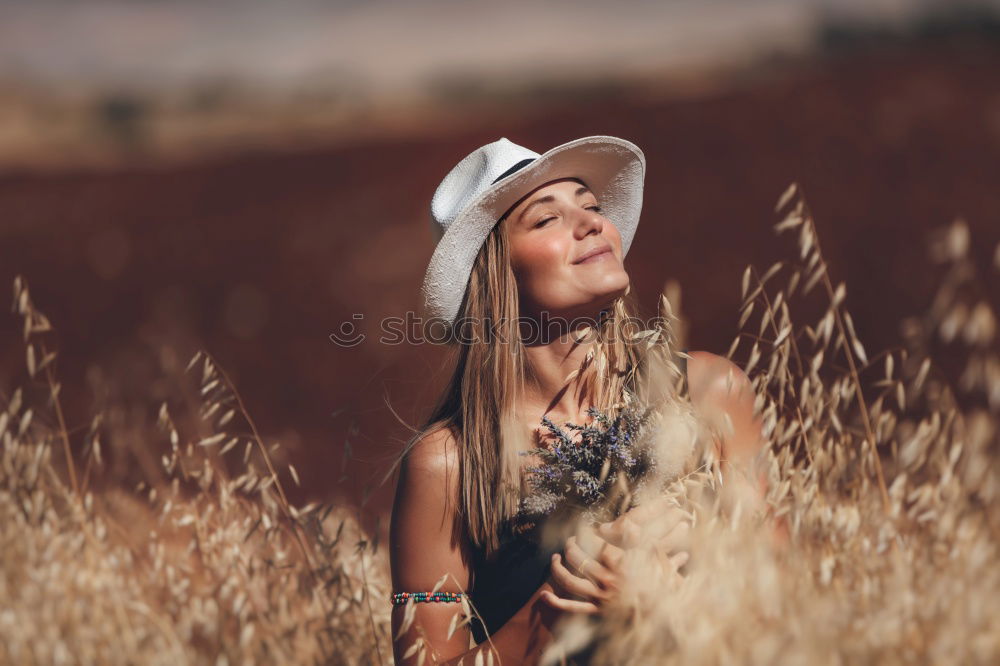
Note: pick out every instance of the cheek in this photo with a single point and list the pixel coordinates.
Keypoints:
(615, 238)
(536, 259)
(539, 267)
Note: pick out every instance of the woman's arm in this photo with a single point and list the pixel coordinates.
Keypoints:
(721, 392)
(427, 542)
(720, 389)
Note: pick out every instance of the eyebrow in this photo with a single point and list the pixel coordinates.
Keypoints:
(583, 189)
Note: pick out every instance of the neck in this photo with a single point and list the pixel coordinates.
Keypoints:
(546, 392)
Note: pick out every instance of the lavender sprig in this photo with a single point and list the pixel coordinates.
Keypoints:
(580, 475)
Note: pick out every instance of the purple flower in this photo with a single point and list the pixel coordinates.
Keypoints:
(570, 473)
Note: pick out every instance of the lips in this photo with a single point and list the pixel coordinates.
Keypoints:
(593, 253)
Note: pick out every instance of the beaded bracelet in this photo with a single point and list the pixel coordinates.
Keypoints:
(400, 598)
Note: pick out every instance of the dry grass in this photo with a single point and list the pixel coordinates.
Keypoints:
(885, 476)
(202, 567)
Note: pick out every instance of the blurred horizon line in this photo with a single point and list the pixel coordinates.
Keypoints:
(169, 80)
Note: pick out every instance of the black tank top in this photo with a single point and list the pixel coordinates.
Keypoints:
(503, 583)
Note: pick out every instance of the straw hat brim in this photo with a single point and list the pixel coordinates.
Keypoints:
(614, 169)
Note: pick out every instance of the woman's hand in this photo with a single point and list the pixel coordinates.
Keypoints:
(589, 575)
(586, 579)
(660, 526)
(659, 523)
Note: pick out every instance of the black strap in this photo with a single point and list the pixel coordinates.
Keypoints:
(517, 167)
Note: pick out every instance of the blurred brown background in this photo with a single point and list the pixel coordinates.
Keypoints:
(246, 177)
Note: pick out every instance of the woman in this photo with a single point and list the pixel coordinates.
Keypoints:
(525, 240)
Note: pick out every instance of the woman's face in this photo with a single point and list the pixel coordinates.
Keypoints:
(554, 233)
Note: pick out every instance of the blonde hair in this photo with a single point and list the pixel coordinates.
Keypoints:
(480, 400)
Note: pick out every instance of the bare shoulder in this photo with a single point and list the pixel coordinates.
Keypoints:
(720, 387)
(435, 452)
(710, 374)
(428, 480)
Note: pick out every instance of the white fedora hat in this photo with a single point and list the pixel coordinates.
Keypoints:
(492, 178)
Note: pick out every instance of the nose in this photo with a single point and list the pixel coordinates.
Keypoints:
(588, 221)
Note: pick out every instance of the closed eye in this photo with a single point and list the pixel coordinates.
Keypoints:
(541, 223)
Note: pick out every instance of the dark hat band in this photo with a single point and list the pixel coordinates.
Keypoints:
(517, 167)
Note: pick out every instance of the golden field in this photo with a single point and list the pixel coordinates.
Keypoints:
(883, 465)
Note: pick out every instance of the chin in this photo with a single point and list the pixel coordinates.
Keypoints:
(615, 286)
(608, 298)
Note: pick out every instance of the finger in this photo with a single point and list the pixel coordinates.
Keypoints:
(611, 556)
(679, 538)
(646, 521)
(669, 566)
(569, 605)
(622, 532)
(675, 563)
(650, 509)
(679, 559)
(665, 523)
(573, 584)
(666, 567)
(588, 566)
(607, 553)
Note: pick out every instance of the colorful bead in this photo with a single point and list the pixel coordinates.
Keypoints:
(399, 598)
